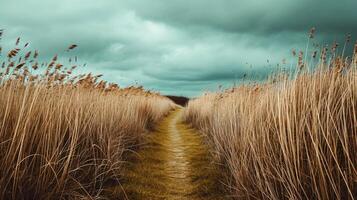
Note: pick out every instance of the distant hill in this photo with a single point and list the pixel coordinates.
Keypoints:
(179, 100)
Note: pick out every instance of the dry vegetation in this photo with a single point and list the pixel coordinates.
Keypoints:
(63, 136)
(288, 138)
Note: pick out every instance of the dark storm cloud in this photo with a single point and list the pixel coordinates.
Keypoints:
(255, 16)
(176, 47)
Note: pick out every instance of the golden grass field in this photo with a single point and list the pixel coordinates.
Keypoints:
(288, 138)
(66, 136)
(63, 136)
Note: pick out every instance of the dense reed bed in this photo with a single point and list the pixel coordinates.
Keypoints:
(63, 136)
(288, 138)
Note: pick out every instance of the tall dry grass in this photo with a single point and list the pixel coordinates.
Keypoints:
(63, 136)
(287, 138)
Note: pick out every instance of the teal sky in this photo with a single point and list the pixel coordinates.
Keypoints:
(173, 46)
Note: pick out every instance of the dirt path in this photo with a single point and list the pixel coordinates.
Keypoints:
(173, 164)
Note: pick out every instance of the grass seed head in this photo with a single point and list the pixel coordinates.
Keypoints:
(312, 32)
(12, 53)
(301, 60)
(17, 41)
(314, 54)
(55, 58)
(73, 46)
(35, 55)
(19, 66)
(28, 54)
(293, 52)
(348, 38)
(35, 66)
(58, 66)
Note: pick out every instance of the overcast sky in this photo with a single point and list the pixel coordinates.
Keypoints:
(174, 46)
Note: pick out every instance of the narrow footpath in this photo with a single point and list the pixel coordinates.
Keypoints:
(173, 164)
